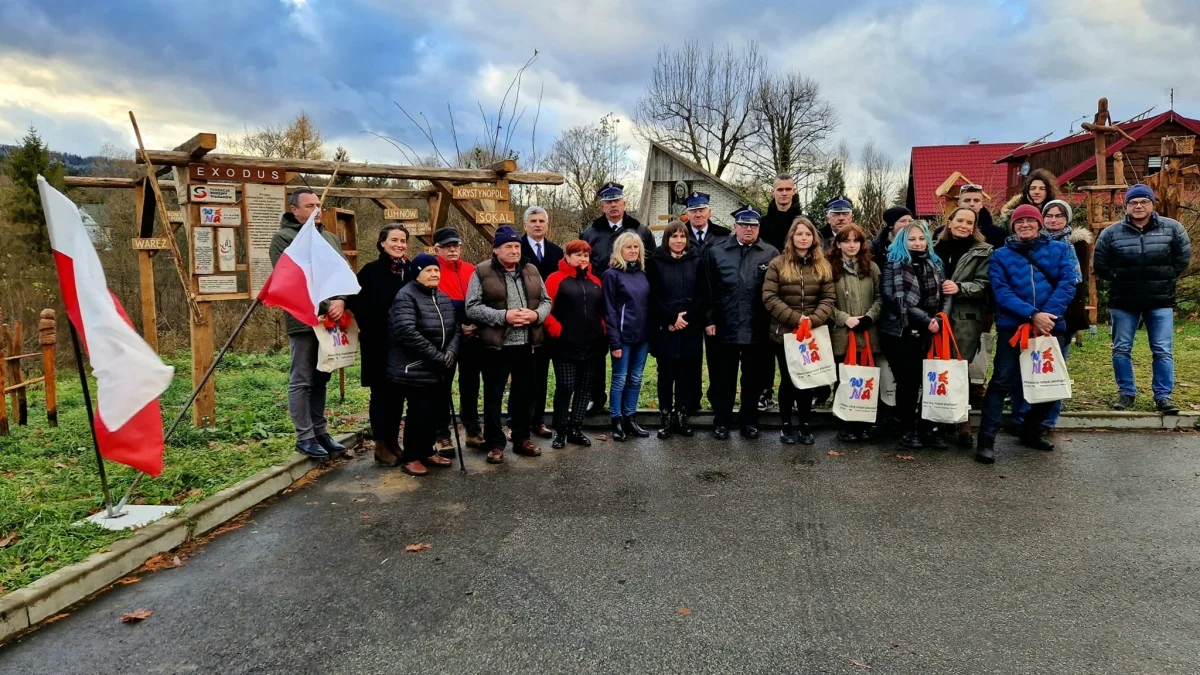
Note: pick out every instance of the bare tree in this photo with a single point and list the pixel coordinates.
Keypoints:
(794, 123)
(701, 102)
(878, 182)
(588, 156)
(300, 139)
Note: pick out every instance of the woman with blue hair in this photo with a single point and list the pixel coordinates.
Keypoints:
(912, 299)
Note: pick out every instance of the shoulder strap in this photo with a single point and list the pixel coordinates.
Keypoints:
(1049, 279)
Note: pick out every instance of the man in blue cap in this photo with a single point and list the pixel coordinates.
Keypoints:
(701, 230)
(839, 212)
(731, 279)
(600, 235)
(1141, 257)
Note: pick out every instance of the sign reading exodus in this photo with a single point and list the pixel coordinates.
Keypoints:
(221, 194)
(236, 174)
(493, 218)
(497, 193)
(400, 214)
(220, 215)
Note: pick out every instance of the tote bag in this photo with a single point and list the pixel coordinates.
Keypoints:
(887, 382)
(1044, 377)
(945, 384)
(857, 396)
(337, 342)
(809, 356)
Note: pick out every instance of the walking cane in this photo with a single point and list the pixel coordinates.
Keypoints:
(454, 425)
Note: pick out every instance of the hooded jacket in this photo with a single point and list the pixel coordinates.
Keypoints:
(289, 227)
(731, 281)
(626, 305)
(774, 224)
(672, 291)
(371, 307)
(600, 236)
(576, 319)
(422, 329)
(1078, 317)
(1022, 289)
(1141, 265)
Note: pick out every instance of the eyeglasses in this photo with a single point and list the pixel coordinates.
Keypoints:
(1140, 202)
(747, 224)
(970, 187)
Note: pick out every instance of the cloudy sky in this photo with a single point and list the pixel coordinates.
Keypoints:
(901, 73)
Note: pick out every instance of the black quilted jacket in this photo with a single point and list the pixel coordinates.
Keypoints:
(1141, 266)
(421, 328)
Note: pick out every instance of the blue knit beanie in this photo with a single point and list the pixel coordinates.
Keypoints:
(1137, 192)
(419, 263)
(505, 234)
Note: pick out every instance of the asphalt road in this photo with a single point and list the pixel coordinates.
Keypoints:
(689, 556)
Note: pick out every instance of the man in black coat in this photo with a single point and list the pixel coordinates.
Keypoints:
(600, 235)
(703, 235)
(545, 255)
(731, 282)
(839, 212)
(782, 210)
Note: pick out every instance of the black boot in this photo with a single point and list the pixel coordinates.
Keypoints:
(1031, 437)
(631, 427)
(618, 429)
(932, 438)
(681, 422)
(845, 432)
(575, 437)
(787, 435)
(560, 438)
(805, 436)
(911, 441)
(985, 452)
(664, 431)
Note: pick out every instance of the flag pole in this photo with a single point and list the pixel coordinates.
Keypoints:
(87, 402)
(195, 394)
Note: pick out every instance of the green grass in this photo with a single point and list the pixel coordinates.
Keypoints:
(48, 478)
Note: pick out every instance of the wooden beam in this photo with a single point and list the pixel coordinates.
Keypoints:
(467, 209)
(198, 145)
(503, 166)
(336, 191)
(98, 182)
(357, 169)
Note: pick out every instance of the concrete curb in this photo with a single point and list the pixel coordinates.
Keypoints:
(1069, 420)
(26, 607)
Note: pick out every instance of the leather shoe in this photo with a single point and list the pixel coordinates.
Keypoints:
(414, 469)
(1034, 440)
(437, 460)
(444, 448)
(721, 433)
(749, 431)
(618, 430)
(312, 448)
(560, 439)
(805, 436)
(526, 448)
(387, 454)
(1124, 402)
(475, 441)
(331, 446)
(575, 437)
(632, 427)
(985, 452)
(787, 435)
(543, 431)
(1166, 407)
(495, 457)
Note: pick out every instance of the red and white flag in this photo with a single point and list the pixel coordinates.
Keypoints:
(129, 375)
(309, 272)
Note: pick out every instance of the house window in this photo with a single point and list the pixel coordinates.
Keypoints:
(1153, 164)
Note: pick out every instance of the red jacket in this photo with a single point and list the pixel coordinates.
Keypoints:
(553, 327)
(456, 276)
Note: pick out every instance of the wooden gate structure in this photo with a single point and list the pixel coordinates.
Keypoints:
(230, 207)
(12, 379)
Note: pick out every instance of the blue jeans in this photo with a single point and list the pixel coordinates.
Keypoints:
(1006, 379)
(1160, 328)
(627, 379)
(1020, 406)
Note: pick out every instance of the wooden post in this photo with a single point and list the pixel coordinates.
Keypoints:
(47, 338)
(204, 413)
(146, 268)
(14, 378)
(3, 384)
(22, 396)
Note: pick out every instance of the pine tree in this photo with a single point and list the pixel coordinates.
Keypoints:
(20, 200)
(832, 185)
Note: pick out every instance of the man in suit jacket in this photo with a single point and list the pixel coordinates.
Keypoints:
(539, 251)
(701, 230)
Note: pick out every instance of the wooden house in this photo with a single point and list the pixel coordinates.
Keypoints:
(670, 178)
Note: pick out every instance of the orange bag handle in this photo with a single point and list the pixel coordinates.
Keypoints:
(342, 322)
(868, 358)
(940, 349)
(804, 330)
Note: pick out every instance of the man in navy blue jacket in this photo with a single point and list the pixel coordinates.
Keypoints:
(1033, 279)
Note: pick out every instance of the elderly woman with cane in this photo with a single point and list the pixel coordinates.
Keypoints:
(424, 345)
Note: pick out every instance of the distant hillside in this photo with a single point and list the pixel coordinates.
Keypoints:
(75, 164)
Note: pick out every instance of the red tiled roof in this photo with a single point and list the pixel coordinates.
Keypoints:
(931, 165)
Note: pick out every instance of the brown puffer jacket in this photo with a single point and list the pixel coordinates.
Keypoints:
(787, 302)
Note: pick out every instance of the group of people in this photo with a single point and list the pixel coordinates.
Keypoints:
(729, 298)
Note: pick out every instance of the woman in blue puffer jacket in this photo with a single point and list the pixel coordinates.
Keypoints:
(627, 319)
(1033, 279)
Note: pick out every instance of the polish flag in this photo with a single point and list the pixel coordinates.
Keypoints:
(129, 375)
(309, 272)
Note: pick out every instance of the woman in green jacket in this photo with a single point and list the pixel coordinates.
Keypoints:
(967, 256)
(857, 306)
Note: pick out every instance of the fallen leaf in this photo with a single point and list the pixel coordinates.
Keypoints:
(684, 611)
(834, 453)
(905, 458)
(129, 580)
(55, 619)
(603, 438)
(417, 548)
(9, 540)
(137, 615)
(860, 664)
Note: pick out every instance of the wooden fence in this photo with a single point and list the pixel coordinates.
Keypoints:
(11, 347)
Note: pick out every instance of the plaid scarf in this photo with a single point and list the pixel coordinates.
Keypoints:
(918, 284)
